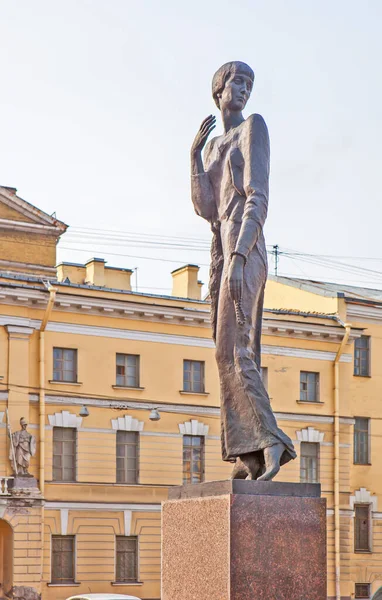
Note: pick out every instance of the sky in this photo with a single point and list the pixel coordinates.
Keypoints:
(100, 102)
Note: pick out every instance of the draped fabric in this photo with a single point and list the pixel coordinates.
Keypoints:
(233, 190)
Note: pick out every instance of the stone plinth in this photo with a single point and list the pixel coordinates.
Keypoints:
(244, 540)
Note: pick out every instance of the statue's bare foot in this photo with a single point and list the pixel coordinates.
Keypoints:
(239, 471)
(272, 456)
(253, 464)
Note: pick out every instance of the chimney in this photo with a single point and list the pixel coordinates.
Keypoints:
(185, 282)
(95, 272)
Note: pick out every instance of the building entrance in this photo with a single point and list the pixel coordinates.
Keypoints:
(6, 559)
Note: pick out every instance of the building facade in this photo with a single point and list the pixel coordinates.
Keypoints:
(121, 393)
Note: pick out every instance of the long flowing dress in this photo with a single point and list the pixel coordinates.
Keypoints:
(232, 195)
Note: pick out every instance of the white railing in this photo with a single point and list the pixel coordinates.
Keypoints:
(4, 486)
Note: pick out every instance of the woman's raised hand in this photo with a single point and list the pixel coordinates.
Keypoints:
(204, 131)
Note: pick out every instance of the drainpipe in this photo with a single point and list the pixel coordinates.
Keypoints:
(337, 548)
(48, 310)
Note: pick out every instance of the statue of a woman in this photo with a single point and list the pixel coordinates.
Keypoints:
(230, 190)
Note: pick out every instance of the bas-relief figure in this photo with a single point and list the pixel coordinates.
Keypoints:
(229, 189)
(23, 447)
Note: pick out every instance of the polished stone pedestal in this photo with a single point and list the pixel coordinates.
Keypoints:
(244, 540)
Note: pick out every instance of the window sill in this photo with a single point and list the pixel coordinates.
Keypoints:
(186, 393)
(309, 402)
(364, 376)
(356, 464)
(55, 381)
(127, 387)
(363, 552)
(74, 584)
(127, 583)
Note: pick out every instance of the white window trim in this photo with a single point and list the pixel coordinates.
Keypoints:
(127, 423)
(310, 434)
(193, 427)
(65, 419)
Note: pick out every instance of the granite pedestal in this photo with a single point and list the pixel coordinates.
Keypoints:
(244, 540)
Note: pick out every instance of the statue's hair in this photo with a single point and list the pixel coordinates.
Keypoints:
(224, 73)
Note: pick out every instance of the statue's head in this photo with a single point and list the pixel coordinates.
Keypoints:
(232, 85)
(23, 423)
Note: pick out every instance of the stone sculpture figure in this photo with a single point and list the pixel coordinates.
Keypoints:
(23, 447)
(230, 190)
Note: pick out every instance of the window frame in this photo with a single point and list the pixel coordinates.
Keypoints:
(75, 363)
(137, 446)
(359, 550)
(356, 367)
(191, 382)
(316, 445)
(75, 440)
(54, 581)
(356, 443)
(125, 365)
(316, 387)
(137, 562)
(202, 447)
(368, 593)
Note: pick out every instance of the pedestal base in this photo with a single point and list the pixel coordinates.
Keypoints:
(244, 540)
(24, 485)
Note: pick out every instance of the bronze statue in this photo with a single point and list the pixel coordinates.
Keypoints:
(230, 190)
(23, 447)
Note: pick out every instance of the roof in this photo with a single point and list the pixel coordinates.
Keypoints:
(333, 290)
(38, 219)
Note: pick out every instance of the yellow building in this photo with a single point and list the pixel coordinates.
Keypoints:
(121, 392)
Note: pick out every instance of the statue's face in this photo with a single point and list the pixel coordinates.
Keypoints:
(236, 93)
(24, 425)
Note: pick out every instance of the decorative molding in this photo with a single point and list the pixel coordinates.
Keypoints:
(363, 496)
(188, 409)
(364, 313)
(65, 419)
(127, 423)
(64, 515)
(104, 506)
(298, 330)
(193, 427)
(310, 434)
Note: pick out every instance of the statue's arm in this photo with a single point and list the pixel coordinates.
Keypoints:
(256, 153)
(202, 194)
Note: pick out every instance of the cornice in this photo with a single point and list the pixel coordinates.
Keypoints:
(364, 313)
(139, 311)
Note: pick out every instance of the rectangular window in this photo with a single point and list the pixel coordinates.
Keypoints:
(309, 386)
(127, 370)
(362, 356)
(362, 528)
(193, 376)
(264, 376)
(127, 456)
(361, 441)
(65, 365)
(362, 590)
(64, 453)
(127, 559)
(63, 558)
(193, 458)
(309, 462)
